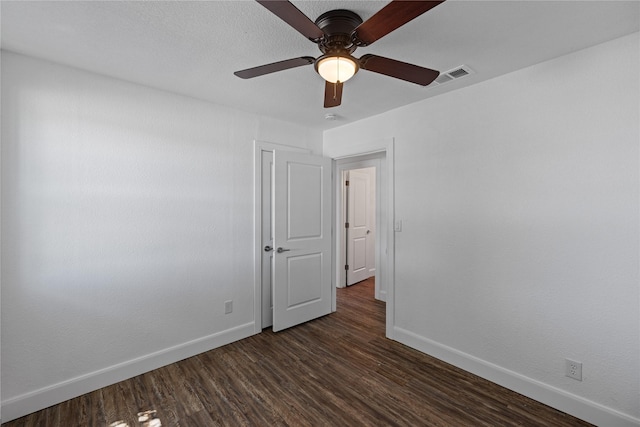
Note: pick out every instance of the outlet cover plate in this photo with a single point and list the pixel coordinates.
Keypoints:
(573, 369)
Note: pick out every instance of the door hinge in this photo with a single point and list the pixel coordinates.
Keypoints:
(346, 225)
(346, 267)
(346, 183)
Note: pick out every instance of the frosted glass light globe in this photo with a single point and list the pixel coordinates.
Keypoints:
(336, 68)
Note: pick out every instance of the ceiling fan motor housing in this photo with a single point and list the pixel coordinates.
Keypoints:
(338, 25)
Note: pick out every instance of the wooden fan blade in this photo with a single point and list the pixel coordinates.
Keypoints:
(276, 66)
(392, 16)
(290, 14)
(399, 70)
(332, 94)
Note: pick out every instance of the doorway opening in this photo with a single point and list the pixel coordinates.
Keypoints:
(345, 157)
(361, 228)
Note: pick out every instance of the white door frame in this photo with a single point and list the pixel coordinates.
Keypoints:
(258, 148)
(386, 255)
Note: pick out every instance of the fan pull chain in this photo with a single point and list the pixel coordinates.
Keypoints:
(335, 85)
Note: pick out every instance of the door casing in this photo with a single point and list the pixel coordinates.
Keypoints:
(385, 253)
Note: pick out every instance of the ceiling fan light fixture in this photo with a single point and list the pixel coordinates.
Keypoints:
(338, 33)
(336, 68)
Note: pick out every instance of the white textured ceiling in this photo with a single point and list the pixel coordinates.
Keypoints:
(193, 48)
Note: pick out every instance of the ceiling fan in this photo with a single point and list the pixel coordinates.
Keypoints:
(338, 33)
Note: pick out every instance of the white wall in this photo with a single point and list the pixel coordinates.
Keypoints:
(127, 218)
(520, 241)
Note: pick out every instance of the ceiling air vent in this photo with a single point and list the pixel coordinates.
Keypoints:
(460, 72)
(453, 74)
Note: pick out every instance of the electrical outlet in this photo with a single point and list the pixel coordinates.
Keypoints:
(573, 369)
(228, 307)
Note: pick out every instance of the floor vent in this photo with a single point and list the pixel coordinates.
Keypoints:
(453, 74)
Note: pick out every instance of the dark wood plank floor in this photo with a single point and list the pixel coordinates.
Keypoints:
(339, 370)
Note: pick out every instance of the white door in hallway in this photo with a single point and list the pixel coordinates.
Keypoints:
(361, 220)
(301, 218)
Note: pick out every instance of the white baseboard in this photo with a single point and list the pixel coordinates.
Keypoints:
(577, 406)
(34, 401)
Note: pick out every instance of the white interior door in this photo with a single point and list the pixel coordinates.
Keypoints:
(302, 238)
(361, 220)
(267, 238)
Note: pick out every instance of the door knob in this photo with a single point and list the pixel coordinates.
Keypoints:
(268, 248)
(280, 250)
